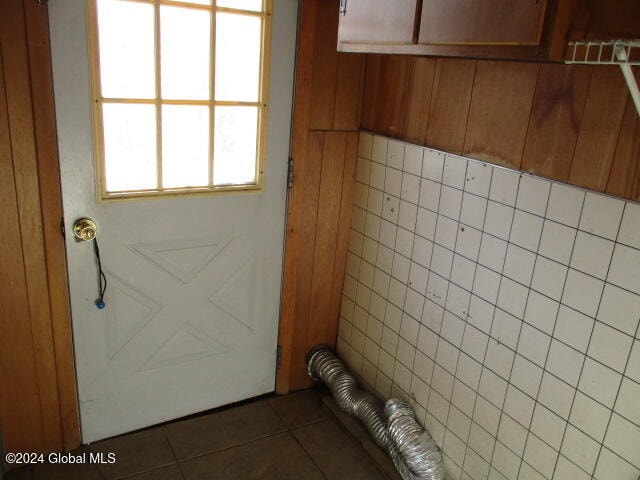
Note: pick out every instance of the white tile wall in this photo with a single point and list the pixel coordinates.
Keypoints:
(505, 307)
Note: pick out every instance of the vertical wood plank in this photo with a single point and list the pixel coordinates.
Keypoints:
(370, 91)
(391, 95)
(450, 100)
(310, 178)
(348, 91)
(624, 176)
(418, 99)
(21, 418)
(344, 226)
(554, 124)
(48, 176)
(324, 258)
(296, 195)
(599, 129)
(499, 113)
(19, 109)
(325, 66)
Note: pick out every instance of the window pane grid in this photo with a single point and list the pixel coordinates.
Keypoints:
(235, 149)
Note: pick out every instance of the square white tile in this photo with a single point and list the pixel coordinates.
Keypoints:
(592, 254)
(620, 309)
(625, 268)
(379, 149)
(413, 159)
(473, 210)
(556, 395)
(478, 178)
(557, 241)
(564, 362)
(582, 292)
(573, 328)
(404, 242)
(395, 154)
(601, 215)
(633, 367)
(410, 188)
(486, 284)
(627, 404)
(526, 230)
(519, 406)
(549, 277)
(526, 376)
(512, 297)
(546, 424)
(541, 312)
(599, 382)
(429, 195)
(610, 347)
(498, 220)
(565, 204)
(468, 242)
(630, 228)
(407, 215)
(455, 168)
(533, 344)
(426, 223)
(623, 437)
(590, 416)
(463, 272)
(504, 186)
(480, 313)
(492, 252)
(533, 194)
(512, 433)
(580, 449)
(506, 328)
(432, 165)
(611, 465)
(446, 232)
(393, 181)
(450, 202)
(540, 455)
(519, 264)
(422, 249)
(499, 358)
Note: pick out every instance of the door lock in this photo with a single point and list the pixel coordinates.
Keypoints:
(85, 229)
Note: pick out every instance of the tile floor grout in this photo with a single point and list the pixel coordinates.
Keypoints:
(306, 450)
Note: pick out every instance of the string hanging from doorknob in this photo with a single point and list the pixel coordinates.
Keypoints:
(102, 279)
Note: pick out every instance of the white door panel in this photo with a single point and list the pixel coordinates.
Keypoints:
(191, 312)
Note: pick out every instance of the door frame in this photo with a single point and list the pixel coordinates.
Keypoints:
(39, 181)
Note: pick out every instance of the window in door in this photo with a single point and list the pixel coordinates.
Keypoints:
(179, 95)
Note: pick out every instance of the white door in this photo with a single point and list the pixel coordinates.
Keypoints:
(191, 316)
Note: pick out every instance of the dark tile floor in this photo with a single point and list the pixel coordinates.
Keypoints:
(280, 438)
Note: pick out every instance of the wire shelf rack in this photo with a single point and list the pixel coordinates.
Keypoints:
(624, 53)
(606, 52)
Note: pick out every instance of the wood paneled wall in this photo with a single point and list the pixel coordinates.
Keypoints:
(324, 147)
(38, 407)
(575, 124)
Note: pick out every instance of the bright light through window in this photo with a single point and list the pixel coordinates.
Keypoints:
(179, 94)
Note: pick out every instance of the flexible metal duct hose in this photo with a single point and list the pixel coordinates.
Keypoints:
(412, 450)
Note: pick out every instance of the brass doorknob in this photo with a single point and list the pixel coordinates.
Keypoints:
(85, 229)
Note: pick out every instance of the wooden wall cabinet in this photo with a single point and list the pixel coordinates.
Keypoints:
(514, 29)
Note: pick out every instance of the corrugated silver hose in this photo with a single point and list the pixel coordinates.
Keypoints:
(412, 450)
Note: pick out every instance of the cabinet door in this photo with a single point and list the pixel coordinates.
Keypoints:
(378, 21)
(482, 22)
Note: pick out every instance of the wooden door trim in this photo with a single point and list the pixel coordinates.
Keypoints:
(48, 169)
(299, 131)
